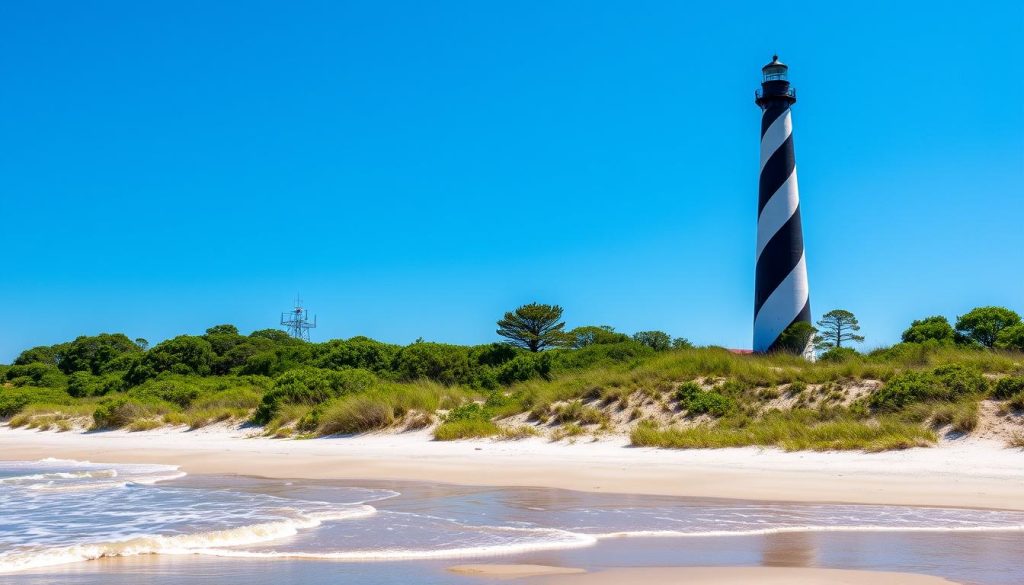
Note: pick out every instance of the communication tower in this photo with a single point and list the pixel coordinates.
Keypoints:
(297, 321)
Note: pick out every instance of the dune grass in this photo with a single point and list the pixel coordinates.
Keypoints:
(48, 416)
(466, 429)
(235, 403)
(144, 424)
(663, 372)
(792, 433)
(517, 432)
(962, 416)
(379, 407)
(122, 411)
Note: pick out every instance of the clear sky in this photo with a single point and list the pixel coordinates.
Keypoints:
(415, 169)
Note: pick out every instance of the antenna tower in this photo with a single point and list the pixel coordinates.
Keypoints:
(297, 321)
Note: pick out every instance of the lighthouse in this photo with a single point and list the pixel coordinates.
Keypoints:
(781, 293)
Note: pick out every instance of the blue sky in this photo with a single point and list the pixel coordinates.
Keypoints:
(416, 169)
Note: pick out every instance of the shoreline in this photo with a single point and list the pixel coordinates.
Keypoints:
(962, 474)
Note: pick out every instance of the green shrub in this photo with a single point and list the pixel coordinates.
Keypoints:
(311, 386)
(470, 411)
(905, 389)
(687, 391)
(83, 384)
(1011, 338)
(949, 382)
(13, 400)
(357, 352)
(795, 338)
(960, 380)
(524, 367)
(696, 400)
(447, 364)
(1007, 387)
(712, 403)
(598, 354)
(35, 374)
(839, 355)
(178, 390)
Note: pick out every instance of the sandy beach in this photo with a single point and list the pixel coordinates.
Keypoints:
(973, 473)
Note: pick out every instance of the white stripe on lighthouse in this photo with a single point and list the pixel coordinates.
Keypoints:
(777, 211)
(782, 307)
(776, 134)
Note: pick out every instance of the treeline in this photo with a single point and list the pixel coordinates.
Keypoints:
(230, 373)
(112, 362)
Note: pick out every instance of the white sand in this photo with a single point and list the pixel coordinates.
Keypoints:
(963, 473)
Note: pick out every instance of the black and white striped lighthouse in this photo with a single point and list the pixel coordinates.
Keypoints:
(781, 294)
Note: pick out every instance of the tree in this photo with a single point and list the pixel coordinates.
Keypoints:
(447, 364)
(275, 335)
(595, 335)
(937, 328)
(534, 327)
(656, 340)
(94, 353)
(795, 338)
(1011, 338)
(184, 354)
(983, 324)
(226, 329)
(681, 343)
(837, 326)
(45, 354)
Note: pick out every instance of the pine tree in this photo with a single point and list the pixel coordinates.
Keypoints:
(835, 327)
(534, 327)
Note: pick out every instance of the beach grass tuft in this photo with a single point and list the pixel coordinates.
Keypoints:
(466, 429)
(789, 433)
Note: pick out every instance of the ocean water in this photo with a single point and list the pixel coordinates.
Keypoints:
(80, 522)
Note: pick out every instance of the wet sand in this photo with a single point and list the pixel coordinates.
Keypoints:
(740, 576)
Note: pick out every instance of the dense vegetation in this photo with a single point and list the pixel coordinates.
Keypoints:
(590, 380)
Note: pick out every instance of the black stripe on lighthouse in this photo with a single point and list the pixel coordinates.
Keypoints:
(781, 294)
